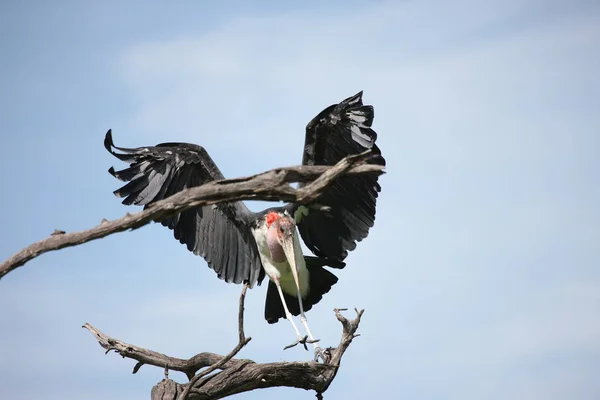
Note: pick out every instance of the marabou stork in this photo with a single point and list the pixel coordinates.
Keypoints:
(240, 245)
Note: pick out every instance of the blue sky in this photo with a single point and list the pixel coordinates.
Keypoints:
(480, 278)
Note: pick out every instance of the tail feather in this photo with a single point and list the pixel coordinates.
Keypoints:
(320, 281)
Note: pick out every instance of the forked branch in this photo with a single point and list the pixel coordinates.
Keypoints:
(234, 375)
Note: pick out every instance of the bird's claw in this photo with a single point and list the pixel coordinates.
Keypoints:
(324, 355)
(300, 339)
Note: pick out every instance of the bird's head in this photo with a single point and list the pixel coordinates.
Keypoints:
(280, 225)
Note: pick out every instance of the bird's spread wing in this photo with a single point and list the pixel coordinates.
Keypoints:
(219, 233)
(338, 131)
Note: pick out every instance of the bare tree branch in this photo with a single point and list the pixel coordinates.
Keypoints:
(244, 375)
(149, 357)
(271, 185)
(236, 375)
(223, 375)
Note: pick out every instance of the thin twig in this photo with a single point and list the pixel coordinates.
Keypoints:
(242, 335)
(242, 342)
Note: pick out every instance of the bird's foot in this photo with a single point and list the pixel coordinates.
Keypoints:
(301, 340)
(324, 355)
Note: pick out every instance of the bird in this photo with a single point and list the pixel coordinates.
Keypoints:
(243, 246)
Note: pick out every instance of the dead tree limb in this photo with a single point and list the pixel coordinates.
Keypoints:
(271, 185)
(212, 376)
(234, 375)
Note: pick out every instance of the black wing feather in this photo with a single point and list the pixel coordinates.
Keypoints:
(338, 131)
(219, 233)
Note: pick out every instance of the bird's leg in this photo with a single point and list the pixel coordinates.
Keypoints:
(288, 315)
(304, 322)
(318, 350)
(293, 254)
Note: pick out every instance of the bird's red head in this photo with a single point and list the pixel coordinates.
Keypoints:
(272, 217)
(280, 235)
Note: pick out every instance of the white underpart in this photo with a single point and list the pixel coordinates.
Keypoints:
(281, 274)
(281, 270)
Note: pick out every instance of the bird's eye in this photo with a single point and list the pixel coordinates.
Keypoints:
(281, 229)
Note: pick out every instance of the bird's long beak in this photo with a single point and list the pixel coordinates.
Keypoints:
(290, 254)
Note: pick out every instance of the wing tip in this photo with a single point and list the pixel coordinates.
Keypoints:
(355, 100)
(108, 141)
